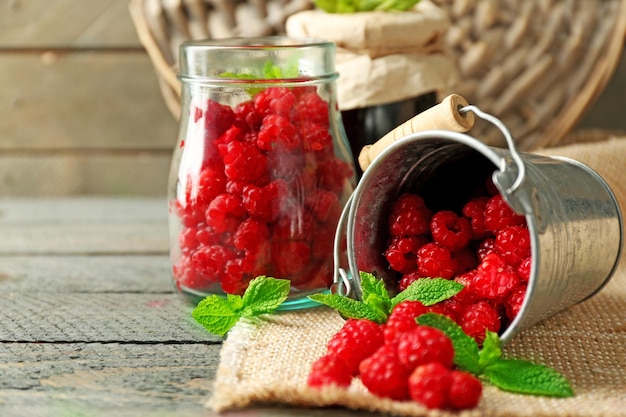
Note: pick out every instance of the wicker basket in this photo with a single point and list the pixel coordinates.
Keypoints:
(535, 64)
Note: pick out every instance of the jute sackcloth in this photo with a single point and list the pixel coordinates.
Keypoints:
(267, 362)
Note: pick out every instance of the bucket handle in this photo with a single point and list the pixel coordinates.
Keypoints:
(521, 167)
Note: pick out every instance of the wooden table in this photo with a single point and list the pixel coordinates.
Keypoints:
(90, 324)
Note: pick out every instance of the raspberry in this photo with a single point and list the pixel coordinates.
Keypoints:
(211, 260)
(523, 269)
(311, 107)
(435, 261)
(384, 375)
(249, 234)
(494, 279)
(295, 223)
(486, 247)
(428, 385)
(514, 301)
(464, 391)
(513, 242)
(499, 214)
(402, 252)
(279, 100)
(479, 317)
(322, 204)
(187, 240)
(475, 211)
(211, 183)
(355, 341)
(244, 162)
(237, 274)
(402, 319)
(329, 370)
(246, 117)
(424, 345)
(223, 213)
(290, 257)
(408, 279)
(315, 137)
(218, 119)
(278, 133)
(450, 231)
(409, 216)
(332, 175)
(264, 203)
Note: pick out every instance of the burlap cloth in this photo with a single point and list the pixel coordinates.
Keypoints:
(267, 362)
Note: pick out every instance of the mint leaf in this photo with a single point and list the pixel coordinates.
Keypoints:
(218, 314)
(491, 350)
(527, 378)
(349, 307)
(465, 347)
(428, 291)
(264, 295)
(375, 294)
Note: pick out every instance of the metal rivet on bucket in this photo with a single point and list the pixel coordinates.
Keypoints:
(573, 217)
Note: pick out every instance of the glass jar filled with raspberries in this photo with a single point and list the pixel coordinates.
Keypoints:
(262, 168)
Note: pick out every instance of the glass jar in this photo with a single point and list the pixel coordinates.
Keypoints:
(262, 168)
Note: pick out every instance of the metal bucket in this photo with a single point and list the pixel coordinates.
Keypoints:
(573, 217)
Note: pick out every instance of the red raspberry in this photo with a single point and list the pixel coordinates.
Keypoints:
(264, 203)
(479, 317)
(513, 242)
(409, 216)
(514, 301)
(250, 234)
(499, 214)
(237, 275)
(187, 240)
(218, 119)
(211, 183)
(424, 345)
(450, 231)
(315, 137)
(436, 262)
(187, 276)
(402, 252)
(278, 133)
(429, 384)
(290, 257)
(211, 260)
(329, 370)
(333, 174)
(486, 247)
(465, 390)
(279, 100)
(355, 341)
(311, 107)
(322, 204)
(523, 269)
(402, 319)
(244, 162)
(475, 211)
(384, 375)
(224, 212)
(494, 279)
(408, 279)
(246, 117)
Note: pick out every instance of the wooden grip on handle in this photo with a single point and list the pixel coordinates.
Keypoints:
(443, 116)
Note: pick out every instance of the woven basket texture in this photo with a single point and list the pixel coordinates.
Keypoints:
(535, 64)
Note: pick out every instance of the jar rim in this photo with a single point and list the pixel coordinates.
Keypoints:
(259, 42)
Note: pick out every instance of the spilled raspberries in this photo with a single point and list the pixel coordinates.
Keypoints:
(403, 349)
(483, 244)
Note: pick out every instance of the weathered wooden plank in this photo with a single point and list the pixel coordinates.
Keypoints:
(128, 318)
(83, 226)
(81, 210)
(69, 174)
(77, 378)
(85, 274)
(82, 100)
(45, 23)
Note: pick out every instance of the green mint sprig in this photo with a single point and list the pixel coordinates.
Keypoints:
(353, 6)
(263, 295)
(512, 375)
(376, 304)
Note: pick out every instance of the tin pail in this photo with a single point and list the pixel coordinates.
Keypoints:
(573, 217)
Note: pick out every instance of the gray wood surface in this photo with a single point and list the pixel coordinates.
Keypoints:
(93, 326)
